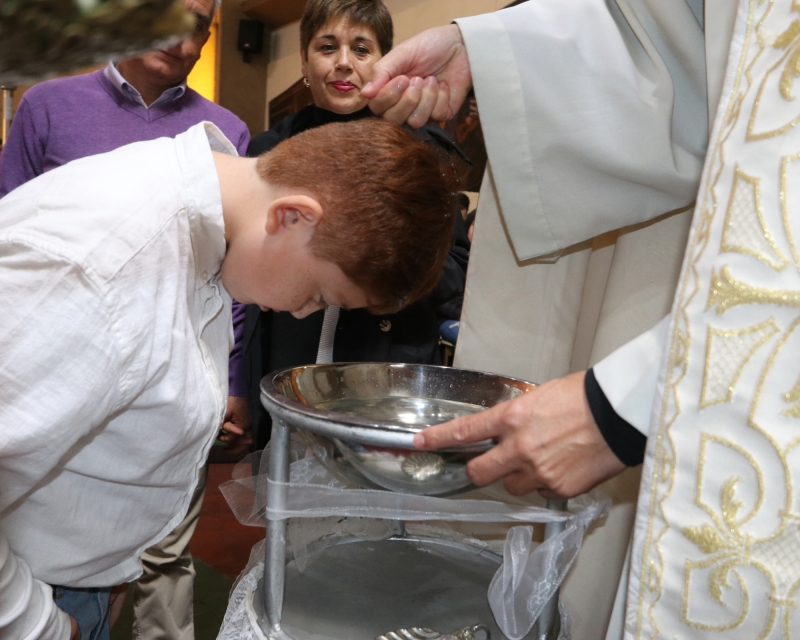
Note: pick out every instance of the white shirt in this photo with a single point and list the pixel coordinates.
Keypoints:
(114, 340)
(131, 93)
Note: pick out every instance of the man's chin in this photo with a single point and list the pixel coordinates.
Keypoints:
(166, 66)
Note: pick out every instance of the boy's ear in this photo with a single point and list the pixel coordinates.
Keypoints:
(288, 211)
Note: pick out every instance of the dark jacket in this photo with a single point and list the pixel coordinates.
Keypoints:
(275, 341)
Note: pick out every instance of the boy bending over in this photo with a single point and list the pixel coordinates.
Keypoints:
(116, 277)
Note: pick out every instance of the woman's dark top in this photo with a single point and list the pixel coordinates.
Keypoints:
(275, 341)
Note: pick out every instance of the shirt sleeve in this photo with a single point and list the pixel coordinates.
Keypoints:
(594, 113)
(629, 376)
(59, 380)
(22, 158)
(28, 611)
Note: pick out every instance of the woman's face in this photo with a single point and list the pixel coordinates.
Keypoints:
(339, 63)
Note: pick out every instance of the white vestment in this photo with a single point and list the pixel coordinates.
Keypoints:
(595, 117)
(716, 550)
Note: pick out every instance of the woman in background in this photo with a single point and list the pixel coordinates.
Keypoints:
(340, 41)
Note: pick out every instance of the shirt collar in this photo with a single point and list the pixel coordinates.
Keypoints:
(129, 91)
(204, 200)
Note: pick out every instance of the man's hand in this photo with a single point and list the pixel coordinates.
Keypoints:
(237, 427)
(75, 632)
(547, 440)
(424, 78)
(116, 600)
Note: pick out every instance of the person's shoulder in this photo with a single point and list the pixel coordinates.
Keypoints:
(220, 116)
(98, 225)
(57, 88)
(286, 128)
(265, 141)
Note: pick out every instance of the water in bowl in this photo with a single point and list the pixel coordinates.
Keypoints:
(417, 412)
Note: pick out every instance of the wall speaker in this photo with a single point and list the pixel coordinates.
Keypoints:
(251, 38)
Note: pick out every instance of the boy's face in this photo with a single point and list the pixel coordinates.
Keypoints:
(274, 267)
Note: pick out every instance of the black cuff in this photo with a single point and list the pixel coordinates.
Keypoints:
(625, 440)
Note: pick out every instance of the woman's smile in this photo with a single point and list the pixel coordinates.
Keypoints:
(339, 62)
(343, 85)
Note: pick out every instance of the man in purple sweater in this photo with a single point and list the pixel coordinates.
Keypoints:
(68, 118)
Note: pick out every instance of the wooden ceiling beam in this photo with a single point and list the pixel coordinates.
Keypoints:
(274, 13)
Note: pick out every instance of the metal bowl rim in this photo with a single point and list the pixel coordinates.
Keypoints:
(270, 392)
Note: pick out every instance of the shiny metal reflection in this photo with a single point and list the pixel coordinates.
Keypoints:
(371, 411)
(422, 465)
(383, 397)
(423, 633)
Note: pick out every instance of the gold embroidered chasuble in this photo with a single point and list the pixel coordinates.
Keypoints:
(717, 535)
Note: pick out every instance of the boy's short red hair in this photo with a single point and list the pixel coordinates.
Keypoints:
(389, 202)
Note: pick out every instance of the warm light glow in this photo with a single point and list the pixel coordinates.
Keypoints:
(203, 77)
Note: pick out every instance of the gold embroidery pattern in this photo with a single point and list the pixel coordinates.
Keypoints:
(788, 40)
(789, 65)
(742, 532)
(793, 397)
(728, 292)
(744, 230)
(787, 164)
(730, 547)
(727, 352)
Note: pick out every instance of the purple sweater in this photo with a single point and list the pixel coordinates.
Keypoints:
(69, 118)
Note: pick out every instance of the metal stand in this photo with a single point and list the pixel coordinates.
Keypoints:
(275, 547)
(546, 628)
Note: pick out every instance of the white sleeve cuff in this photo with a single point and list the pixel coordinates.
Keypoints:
(629, 376)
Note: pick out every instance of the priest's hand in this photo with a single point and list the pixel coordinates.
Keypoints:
(547, 440)
(424, 78)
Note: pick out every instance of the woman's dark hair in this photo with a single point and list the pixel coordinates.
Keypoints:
(370, 13)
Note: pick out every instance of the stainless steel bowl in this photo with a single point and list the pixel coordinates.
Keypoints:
(371, 411)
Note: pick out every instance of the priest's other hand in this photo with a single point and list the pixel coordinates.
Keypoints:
(424, 78)
(547, 440)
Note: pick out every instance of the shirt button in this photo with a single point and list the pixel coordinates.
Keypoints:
(385, 325)
(204, 275)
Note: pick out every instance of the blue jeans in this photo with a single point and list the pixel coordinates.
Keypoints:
(88, 606)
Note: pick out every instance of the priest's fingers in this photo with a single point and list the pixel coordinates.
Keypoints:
(502, 461)
(389, 95)
(422, 113)
(474, 428)
(441, 109)
(428, 53)
(598, 466)
(522, 482)
(407, 102)
(548, 440)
